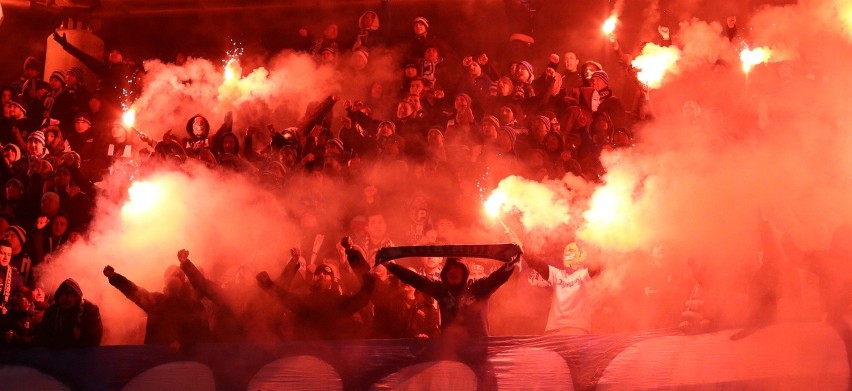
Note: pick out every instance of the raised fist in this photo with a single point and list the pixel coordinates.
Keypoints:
(109, 271)
(732, 22)
(664, 32)
(183, 255)
(554, 58)
(295, 253)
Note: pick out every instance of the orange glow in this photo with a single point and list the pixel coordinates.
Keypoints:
(494, 204)
(609, 25)
(654, 63)
(128, 118)
(752, 57)
(233, 71)
(612, 219)
(844, 10)
(144, 199)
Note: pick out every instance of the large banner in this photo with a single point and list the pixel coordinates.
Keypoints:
(803, 356)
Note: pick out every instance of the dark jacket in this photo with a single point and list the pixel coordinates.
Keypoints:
(465, 305)
(170, 319)
(77, 327)
(325, 314)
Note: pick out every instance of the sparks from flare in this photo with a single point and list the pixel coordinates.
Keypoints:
(752, 57)
(609, 25)
(654, 63)
(233, 70)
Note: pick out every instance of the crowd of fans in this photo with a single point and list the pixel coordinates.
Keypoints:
(438, 131)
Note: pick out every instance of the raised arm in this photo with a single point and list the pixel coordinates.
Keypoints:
(409, 277)
(539, 266)
(139, 296)
(92, 63)
(357, 301)
(489, 284)
(204, 286)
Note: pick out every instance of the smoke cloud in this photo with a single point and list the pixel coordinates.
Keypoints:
(725, 151)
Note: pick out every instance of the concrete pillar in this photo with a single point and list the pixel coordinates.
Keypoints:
(81, 36)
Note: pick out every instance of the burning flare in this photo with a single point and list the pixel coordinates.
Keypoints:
(144, 198)
(541, 205)
(128, 118)
(609, 25)
(654, 63)
(752, 57)
(613, 219)
(494, 204)
(233, 71)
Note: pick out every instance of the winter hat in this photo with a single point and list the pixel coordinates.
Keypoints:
(528, 67)
(423, 20)
(38, 135)
(546, 121)
(76, 72)
(58, 75)
(601, 75)
(83, 116)
(391, 124)
(336, 142)
(19, 231)
(17, 150)
(492, 120)
(466, 98)
(19, 105)
(509, 132)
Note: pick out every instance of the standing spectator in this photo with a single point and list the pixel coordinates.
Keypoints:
(463, 303)
(115, 73)
(570, 304)
(370, 32)
(71, 321)
(325, 313)
(11, 277)
(175, 317)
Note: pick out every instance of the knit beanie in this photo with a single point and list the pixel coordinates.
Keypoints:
(19, 231)
(507, 130)
(76, 72)
(423, 20)
(491, 120)
(58, 75)
(38, 135)
(601, 75)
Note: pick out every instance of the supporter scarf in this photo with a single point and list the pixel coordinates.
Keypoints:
(7, 286)
(502, 252)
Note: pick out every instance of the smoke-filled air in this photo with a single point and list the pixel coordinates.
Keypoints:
(716, 154)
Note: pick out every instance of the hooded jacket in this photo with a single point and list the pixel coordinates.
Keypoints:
(77, 327)
(194, 143)
(464, 305)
